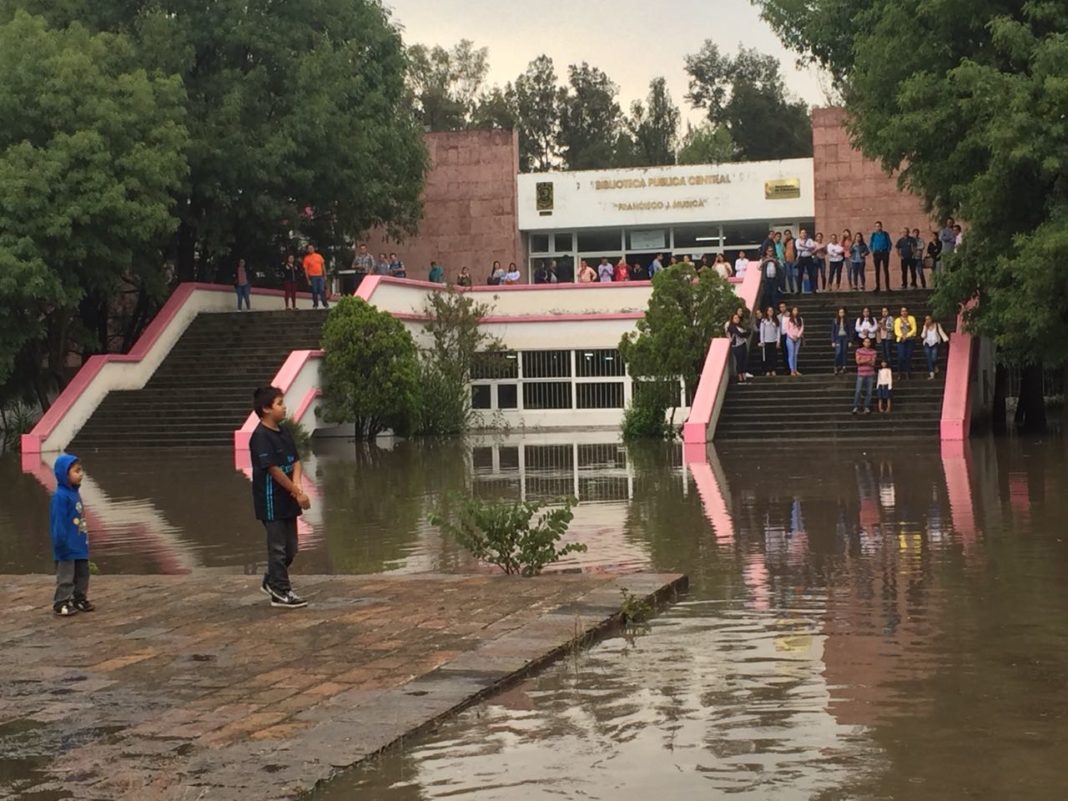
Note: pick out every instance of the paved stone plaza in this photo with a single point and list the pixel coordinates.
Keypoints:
(195, 688)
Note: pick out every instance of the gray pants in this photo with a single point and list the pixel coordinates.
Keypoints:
(72, 580)
(281, 549)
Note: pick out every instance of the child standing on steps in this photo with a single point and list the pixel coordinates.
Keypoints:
(70, 539)
(886, 388)
(277, 493)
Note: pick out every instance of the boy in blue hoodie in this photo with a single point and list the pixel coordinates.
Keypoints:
(70, 539)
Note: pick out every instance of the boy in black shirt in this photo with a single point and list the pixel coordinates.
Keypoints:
(277, 493)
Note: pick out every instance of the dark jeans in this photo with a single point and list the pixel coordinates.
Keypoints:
(841, 350)
(244, 293)
(882, 259)
(856, 274)
(919, 273)
(864, 384)
(318, 291)
(806, 267)
(931, 352)
(741, 357)
(908, 269)
(281, 550)
(885, 348)
(290, 290)
(767, 353)
(72, 580)
(904, 355)
(821, 270)
(836, 273)
(785, 356)
(771, 292)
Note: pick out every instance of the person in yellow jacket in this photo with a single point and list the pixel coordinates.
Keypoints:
(905, 333)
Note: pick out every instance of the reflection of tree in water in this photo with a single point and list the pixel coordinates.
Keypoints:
(377, 500)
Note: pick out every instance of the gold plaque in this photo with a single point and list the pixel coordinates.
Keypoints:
(543, 193)
(782, 189)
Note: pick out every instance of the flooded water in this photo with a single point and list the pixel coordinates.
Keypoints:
(882, 624)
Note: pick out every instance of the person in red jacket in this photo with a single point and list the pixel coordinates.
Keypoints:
(622, 271)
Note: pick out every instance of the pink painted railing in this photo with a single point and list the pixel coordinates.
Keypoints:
(956, 419)
(715, 375)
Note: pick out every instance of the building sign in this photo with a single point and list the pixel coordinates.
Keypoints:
(544, 197)
(655, 181)
(648, 240)
(782, 189)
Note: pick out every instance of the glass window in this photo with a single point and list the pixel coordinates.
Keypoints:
(507, 396)
(489, 365)
(563, 242)
(598, 363)
(547, 395)
(509, 456)
(482, 459)
(739, 234)
(550, 458)
(697, 239)
(610, 241)
(539, 243)
(480, 396)
(655, 239)
(600, 396)
(547, 364)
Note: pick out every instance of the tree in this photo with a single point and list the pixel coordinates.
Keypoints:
(655, 127)
(538, 99)
(496, 109)
(590, 119)
(706, 144)
(371, 369)
(445, 84)
(298, 114)
(91, 151)
(972, 116)
(456, 339)
(686, 310)
(745, 95)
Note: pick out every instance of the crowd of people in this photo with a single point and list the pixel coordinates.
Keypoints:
(776, 336)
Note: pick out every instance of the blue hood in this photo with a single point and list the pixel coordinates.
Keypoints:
(62, 468)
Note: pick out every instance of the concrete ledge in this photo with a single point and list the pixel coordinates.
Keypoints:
(183, 687)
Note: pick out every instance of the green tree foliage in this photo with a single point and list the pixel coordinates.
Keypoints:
(456, 339)
(654, 127)
(537, 101)
(590, 119)
(371, 369)
(91, 152)
(298, 112)
(445, 84)
(506, 533)
(974, 115)
(744, 94)
(496, 109)
(686, 310)
(707, 144)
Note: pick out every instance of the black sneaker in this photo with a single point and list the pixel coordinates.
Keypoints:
(65, 609)
(266, 589)
(288, 601)
(84, 605)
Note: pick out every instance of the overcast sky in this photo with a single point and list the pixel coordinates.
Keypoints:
(633, 41)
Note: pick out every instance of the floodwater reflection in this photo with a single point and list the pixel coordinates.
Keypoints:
(884, 623)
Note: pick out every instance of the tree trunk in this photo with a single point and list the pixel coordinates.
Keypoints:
(999, 420)
(1031, 405)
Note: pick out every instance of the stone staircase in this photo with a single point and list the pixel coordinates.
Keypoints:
(202, 392)
(816, 406)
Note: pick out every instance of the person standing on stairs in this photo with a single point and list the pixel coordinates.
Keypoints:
(905, 332)
(866, 326)
(739, 337)
(906, 249)
(243, 285)
(315, 272)
(768, 341)
(783, 315)
(288, 274)
(789, 263)
(886, 388)
(865, 358)
(880, 253)
(770, 272)
(885, 334)
(794, 328)
(858, 255)
(840, 340)
(918, 249)
(820, 257)
(932, 336)
(806, 262)
(836, 257)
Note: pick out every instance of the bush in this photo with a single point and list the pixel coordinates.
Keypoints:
(506, 533)
(371, 369)
(646, 416)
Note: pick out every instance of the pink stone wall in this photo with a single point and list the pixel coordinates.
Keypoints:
(853, 192)
(469, 214)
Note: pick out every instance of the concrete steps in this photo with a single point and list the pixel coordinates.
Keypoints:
(202, 391)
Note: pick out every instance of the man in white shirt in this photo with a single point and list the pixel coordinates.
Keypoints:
(806, 265)
(741, 264)
(605, 271)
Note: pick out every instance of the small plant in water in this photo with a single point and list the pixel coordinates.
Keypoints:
(521, 538)
(635, 612)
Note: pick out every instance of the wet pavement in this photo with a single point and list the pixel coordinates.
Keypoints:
(186, 687)
(872, 622)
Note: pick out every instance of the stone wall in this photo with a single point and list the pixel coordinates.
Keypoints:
(469, 215)
(853, 192)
